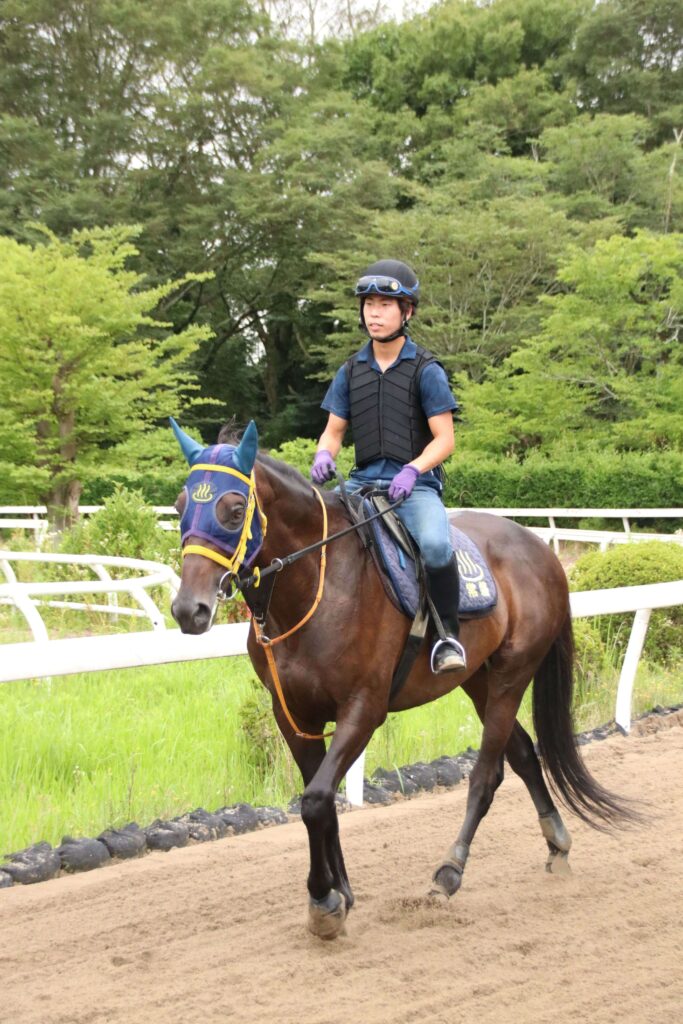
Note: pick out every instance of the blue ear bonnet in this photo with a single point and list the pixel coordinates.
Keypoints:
(204, 487)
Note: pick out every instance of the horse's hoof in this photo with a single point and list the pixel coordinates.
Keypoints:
(326, 917)
(446, 881)
(558, 864)
(437, 895)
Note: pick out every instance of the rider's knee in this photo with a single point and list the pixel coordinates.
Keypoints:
(436, 551)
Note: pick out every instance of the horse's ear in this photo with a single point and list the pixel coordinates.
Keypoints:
(245, 453)
(190, 448)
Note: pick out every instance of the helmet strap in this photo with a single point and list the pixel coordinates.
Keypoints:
(392, 337)
(403, 329)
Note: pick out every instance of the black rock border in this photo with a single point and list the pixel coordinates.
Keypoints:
(41, 862)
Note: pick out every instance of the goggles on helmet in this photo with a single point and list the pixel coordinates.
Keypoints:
(382, 285)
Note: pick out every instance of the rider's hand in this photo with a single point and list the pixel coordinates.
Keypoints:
(323, 468)
(402, 484)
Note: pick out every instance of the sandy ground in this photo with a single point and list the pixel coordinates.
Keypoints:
(216, 932)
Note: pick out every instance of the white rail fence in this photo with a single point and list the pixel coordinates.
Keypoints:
(34, 518)
(25, 596)
(46, 658)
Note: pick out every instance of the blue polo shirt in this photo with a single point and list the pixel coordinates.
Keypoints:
(435, 394)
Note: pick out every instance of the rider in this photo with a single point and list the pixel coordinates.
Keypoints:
(398, 400)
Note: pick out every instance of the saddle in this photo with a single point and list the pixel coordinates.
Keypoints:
(401, 570)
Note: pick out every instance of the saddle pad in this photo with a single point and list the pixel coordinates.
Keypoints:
(478, 593)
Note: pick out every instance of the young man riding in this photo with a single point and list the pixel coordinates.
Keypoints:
(398, 400)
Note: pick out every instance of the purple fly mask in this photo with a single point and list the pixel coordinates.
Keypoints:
(215, 471)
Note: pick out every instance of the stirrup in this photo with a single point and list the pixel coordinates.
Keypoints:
(458, 659)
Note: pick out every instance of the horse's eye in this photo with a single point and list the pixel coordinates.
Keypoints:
(231, 513)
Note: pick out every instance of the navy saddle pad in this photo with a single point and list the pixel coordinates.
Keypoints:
(478, 593)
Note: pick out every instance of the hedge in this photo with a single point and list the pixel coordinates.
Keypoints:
(627, 565)
(584, 480)
(588, 480)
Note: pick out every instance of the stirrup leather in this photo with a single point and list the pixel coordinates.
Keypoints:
(448, 641)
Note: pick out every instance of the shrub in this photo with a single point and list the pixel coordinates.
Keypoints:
(301, 451)
(126, 527)
(629, 565)
(568, 480)
(158, 488)
(259, 727)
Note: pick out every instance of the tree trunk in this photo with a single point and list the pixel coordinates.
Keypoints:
(62, 504)
(63, 496)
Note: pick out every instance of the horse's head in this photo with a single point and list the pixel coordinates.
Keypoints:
(221, 526)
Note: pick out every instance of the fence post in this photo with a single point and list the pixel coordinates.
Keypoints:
(354, 781)
(636, 640)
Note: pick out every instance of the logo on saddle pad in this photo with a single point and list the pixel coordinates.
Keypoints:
(203, 493)
(471, 575)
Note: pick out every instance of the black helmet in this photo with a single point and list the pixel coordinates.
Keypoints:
(391, 278)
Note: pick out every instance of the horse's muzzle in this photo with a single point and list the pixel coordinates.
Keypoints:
(192, 616)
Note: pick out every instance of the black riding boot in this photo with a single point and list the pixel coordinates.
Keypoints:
(443, 586)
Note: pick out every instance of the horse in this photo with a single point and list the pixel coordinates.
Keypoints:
(341, 639)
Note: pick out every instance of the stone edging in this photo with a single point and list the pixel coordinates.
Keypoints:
(40, 862)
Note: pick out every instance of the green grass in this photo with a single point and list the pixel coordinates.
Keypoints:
(87, 752)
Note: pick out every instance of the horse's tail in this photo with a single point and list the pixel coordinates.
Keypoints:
(552, 712)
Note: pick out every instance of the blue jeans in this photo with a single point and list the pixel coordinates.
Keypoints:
(424, 516)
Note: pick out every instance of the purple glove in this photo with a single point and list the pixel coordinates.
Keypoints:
(323, 468)
(402, 484)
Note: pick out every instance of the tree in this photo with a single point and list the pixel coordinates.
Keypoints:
(482, 262)
(606, 367)
(83, 366)
(626, 58)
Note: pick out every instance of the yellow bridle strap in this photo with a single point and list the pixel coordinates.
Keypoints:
(199, 549)
(211, 468)
(267, 643)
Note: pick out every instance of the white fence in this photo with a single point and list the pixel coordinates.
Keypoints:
(24, 596)
(34, 518)
(44, 657)
(90, 654)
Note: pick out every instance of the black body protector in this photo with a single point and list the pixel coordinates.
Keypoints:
(387, 418)
(388, 422)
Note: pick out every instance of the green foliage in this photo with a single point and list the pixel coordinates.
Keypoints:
(590, 656)
(301, 451)
(258, 725)
(478, 141)
(606, 365)
(571, 479)
(127, 527)
(82, 363)
(627, 565)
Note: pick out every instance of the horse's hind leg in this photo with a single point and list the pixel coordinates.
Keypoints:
(524, 762)
(499, 718)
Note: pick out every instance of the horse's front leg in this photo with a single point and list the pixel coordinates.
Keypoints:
(330, 895)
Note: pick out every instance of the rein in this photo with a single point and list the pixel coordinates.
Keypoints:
(267, 643)
(278, 564)
(259, 617)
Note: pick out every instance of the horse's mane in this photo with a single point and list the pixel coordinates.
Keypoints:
(230, 434)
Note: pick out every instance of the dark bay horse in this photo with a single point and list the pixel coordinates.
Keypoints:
(338, 666)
